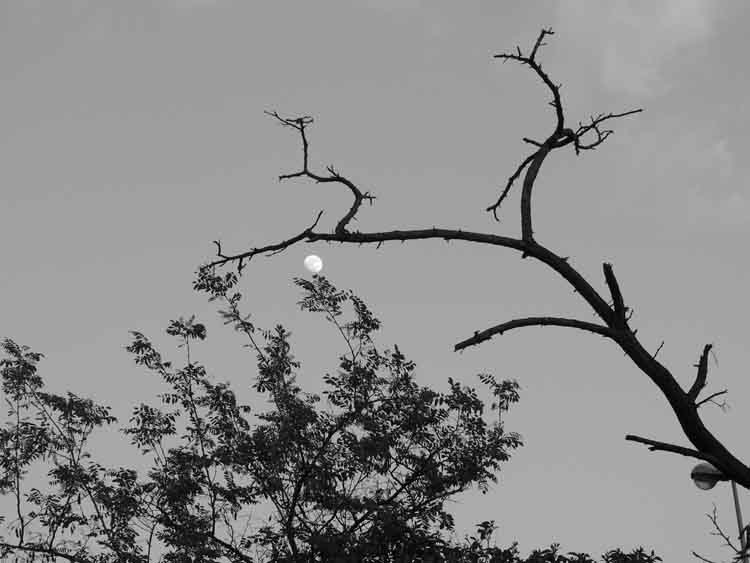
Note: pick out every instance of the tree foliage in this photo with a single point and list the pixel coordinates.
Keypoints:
(365, 480)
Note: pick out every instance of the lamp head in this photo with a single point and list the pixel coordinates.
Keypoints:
(705, 476)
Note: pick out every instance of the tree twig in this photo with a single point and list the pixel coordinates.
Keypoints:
(710, 397)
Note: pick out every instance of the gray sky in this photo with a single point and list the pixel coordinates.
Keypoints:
(133, 134)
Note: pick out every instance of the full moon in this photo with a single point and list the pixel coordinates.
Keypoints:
(313, 263)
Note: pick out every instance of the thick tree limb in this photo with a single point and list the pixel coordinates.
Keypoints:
(614, 290)
(534, 321)
(533, 249)
(527, 232)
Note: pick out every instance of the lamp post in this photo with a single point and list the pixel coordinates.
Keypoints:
(705, 476)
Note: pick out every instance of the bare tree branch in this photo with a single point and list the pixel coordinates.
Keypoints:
(719, 532)
(531, 142)
(512, 179)
(665, 447)
(702, 558)
(710, 397)
(272, 248)
(700, 378)
(594, 126)
(531, 62)
(534, 321)
(658, 349)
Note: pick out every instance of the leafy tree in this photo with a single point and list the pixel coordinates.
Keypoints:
(366, 481)
(613, 314)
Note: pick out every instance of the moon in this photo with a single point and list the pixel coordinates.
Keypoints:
(313, 263)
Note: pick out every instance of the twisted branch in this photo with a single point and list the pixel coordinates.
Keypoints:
(300, 124)
(560, 137)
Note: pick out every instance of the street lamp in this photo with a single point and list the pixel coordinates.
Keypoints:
(705, 476)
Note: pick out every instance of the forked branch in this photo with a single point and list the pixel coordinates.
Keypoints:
(300, 124)
(560, 137)
(531, 62)
(719, 532)
(710, 399)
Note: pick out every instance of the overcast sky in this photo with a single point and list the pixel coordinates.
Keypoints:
(133, 134)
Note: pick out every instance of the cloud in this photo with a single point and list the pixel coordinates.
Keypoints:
(393, 7)
(721, 159)
(719, 201)
(725, 211)
(717, 197)
(188, 4)
(694, 175)
(638, 38)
